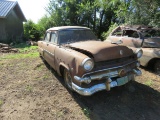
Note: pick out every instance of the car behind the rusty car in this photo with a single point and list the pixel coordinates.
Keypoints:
(88, 65)
(139, 36)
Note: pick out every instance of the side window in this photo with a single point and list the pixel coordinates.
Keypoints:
(53, 37)
(47, 37)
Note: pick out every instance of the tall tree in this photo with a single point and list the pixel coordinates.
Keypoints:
(145, 12)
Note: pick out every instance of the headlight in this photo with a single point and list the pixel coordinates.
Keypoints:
(88, 64)
(139, 53)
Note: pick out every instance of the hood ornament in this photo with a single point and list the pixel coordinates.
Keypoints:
(121, 52)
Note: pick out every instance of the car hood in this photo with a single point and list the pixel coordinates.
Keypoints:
(101, 51)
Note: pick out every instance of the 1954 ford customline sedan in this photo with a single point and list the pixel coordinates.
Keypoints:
(87, 64)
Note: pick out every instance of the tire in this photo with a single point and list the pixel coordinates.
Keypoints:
(157, 67)
(67, 79)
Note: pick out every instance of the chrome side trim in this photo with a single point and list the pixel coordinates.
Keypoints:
(108, 68)
(49, 52)
(46, 51)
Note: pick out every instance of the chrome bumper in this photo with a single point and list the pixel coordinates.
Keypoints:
(93, 89)
(88, 91)
(104, 86)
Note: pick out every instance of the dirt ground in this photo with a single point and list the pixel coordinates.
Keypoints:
(31, 90)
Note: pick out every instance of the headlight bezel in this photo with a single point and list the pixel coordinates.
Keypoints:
(84, 62)
(139, 53)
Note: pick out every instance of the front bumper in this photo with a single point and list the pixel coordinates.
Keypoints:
(104, 86)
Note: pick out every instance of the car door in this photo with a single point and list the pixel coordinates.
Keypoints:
(50, 48)
(44, 45)
(131, 38)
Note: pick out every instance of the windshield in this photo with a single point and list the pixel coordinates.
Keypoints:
(75, 35)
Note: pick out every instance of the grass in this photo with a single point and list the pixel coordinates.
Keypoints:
(39, 67)
(29, 88)
(148, 82)
(25, 51)
(20, 55)
(1, 63)
(1, 102)
(86, 112)
(46, 76)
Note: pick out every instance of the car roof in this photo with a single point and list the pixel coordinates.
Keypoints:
(66, 27)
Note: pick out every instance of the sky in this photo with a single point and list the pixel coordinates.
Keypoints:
(33, 9)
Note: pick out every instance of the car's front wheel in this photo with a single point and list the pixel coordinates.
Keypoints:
(157, 67)
(67, 79)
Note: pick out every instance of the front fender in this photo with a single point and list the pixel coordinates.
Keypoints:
(69, 59)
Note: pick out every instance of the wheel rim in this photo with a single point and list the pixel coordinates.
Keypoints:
(68, 80)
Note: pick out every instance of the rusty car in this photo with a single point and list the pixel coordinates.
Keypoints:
(87, 64)
(139, 36)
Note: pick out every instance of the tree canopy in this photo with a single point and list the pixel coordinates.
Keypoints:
(100, 15)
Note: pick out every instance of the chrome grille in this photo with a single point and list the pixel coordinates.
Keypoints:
(113, 63)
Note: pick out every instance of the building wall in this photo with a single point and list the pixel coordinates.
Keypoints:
(2, 30)
(13, 27)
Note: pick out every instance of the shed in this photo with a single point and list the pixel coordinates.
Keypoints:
(11, 21)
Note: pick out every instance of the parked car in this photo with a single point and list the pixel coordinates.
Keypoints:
(87, 64)
(145, 37)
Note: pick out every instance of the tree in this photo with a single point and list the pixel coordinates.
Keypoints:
(99, 15)
(146, 12)
(94, 14)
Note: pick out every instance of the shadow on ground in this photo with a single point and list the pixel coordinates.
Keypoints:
(149, 69)
(133, 101)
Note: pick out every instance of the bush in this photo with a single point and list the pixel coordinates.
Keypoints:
(112, 27)
(32, 31)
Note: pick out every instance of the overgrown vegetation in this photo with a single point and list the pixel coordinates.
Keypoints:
(112, 27)
(99, 15)
(32, 31)
(24, 52)
(1, 102)
(86, 111)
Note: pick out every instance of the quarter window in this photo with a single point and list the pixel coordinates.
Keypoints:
(47, 37)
